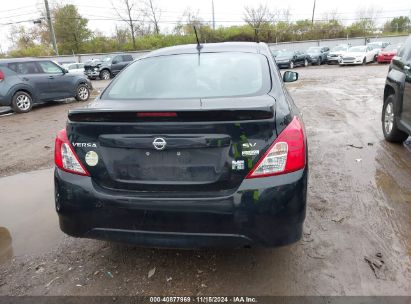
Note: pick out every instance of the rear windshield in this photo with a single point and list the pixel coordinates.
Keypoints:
(192, 76)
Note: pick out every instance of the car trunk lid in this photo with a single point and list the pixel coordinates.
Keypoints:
(193, 145)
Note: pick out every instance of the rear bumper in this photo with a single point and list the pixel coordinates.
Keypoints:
(265, 212)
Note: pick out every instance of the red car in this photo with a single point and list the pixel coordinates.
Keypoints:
(388, 53)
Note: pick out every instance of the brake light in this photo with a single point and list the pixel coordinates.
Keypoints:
(64, 156)
(1, 76)
(286, 154)
(157, 114)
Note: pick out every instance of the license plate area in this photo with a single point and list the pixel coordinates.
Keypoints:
(204, 165)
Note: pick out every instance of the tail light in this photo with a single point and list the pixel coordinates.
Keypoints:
(64, 156)
(286, 154)
(1, 76)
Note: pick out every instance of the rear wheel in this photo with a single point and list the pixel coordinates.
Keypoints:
(22, 102)
(82, 93)
(389, 122)
(105, 75)
(291, 64)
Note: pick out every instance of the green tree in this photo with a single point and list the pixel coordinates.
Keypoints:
(70, 28)
(26, 42)
(400, 24)
(360, 28)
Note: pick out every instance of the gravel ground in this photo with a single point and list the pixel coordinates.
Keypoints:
(356, 237)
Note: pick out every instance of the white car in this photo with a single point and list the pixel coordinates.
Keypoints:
(378, 46)
(358, 55)
(76, 68)
(337, 52)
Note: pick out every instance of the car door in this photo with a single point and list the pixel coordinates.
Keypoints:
(60, 83)
(30, 74)
(80, 68)
(325, 52)
(369, 54)
(117, 64)
(127, 59)
(298, 58)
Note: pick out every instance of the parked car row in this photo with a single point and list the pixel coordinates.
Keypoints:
(104, 68)
(343, 54)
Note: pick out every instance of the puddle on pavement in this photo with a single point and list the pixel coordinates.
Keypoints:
(28, 221)
(393, 180)
(6, 249)
(392, 190)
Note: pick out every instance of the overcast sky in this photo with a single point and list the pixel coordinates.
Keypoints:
(227, 12)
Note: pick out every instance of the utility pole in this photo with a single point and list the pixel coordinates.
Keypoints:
(312, 18)
(51, 28)
(212, 7)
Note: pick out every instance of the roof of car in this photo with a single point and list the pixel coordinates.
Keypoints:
(245, 47)
(8, 60)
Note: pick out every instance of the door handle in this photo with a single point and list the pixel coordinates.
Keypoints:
(51, 77)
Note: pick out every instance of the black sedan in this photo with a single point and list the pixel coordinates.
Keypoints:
(189, 147)
(291, 59)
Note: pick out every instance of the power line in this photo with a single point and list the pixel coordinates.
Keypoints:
(238, 21)
(24, 14)
(18, 8)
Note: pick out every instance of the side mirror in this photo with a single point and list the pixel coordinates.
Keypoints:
(290, 76)
(65, 71)
(115, 61)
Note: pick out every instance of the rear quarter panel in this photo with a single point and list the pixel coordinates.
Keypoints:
(11, 84)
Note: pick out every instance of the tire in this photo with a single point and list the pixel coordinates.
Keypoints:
(305, 62)
(364, 61)
(319, 61)
(389, 122)
(82, 92)
(105, 75)
(291, 65)
(22, 102)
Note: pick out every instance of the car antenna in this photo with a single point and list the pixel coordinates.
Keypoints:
(199, 46)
